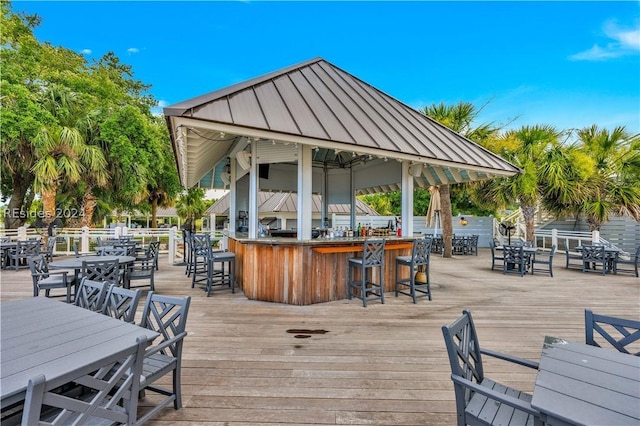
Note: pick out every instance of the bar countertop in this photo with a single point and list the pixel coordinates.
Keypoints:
(342, 241)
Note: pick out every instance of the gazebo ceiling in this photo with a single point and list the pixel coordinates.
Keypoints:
(347, 122)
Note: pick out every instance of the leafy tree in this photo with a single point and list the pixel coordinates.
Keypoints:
(22, 117)
(163, 184)
(60, 126)
(378, 202)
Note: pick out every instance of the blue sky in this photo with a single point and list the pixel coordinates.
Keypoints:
(567, 64)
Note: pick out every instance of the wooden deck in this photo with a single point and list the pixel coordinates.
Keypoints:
(385, 364)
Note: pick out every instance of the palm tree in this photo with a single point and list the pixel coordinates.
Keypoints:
(57, 151)
(62, 153)
(460, 118)
(527, 148)
(612, 187)
(190, 206)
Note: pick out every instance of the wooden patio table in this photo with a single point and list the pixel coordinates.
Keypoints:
(578, 384)
(44, 336)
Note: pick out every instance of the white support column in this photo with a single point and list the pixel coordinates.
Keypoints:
(352, 192)
(305, 201)
(233, 210)
(325, 197)
(253, 193)
(554, 237)
(407, 201)
(595, 236)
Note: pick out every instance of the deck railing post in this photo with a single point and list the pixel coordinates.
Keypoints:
(84, 240)
(173, 243)
(554, 237)
(22, 233)
(595, 236)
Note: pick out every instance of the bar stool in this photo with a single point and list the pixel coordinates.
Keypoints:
(419, 259)
(365, 288)
(223, 278)
(200, 252)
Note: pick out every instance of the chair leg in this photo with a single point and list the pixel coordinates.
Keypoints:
(363, 286)
(349, 283)
(396, 285)
(381, 285)
(412, 286)
(177, 403)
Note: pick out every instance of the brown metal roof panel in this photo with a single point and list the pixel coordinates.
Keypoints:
(322, 112)
(374, 122)
(217, 110)
(334, 101)
(402, 135)
(407, 118)
(180, 108)
(305, 119)
(246, 110)
(275, 110)
(465, 151)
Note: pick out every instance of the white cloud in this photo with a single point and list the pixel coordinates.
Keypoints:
(627, 38)
(622, 42)
(162, 104)
(86, 51)
(133, 50)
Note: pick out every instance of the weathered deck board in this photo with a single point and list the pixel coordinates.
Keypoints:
(385, 364)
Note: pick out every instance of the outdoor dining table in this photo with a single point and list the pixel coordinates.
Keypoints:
(45, 336)
(582, 384)
(75, 263)
(610, 252)
(528, 253)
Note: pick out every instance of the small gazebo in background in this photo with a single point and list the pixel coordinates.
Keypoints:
(134, 219)
(279, 210)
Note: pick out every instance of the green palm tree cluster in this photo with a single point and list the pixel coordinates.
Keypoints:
(602, 178)
(190, 206)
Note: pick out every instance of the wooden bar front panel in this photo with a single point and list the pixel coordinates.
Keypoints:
(299, 275)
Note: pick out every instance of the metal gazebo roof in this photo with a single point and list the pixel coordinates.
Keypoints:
(315, 103)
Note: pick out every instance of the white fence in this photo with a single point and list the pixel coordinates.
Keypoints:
(172, 244)
(86, 239)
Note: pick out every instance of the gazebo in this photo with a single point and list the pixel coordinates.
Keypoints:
(313, 128)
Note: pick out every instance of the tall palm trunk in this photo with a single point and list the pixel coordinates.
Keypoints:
(529, 214)
(89, 202)
(445, 217)
(154, 212)
(49, 203)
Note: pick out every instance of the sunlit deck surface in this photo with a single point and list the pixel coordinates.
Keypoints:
(384, 364)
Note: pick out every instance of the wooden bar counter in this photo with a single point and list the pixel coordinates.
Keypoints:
(286, 270)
